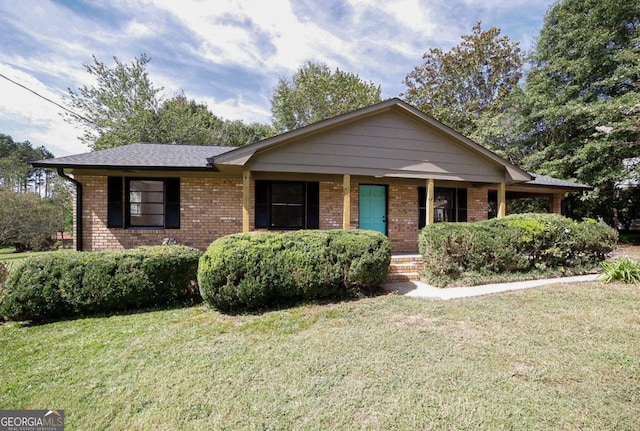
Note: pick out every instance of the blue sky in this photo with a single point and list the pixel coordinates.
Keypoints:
(227, 54)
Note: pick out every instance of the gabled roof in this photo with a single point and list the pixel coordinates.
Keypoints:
(149, 156)
(141, 156)
(241, 155)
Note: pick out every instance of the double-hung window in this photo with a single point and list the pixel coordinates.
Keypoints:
(449, 204)
(287, 205)
(143, 202)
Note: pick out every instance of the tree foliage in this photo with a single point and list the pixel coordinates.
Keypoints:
(582, 97)
(184, 121)
(124, 107)
(28, 220)
(314, 93)
(469, 86)
(120, 109)
(16, 172)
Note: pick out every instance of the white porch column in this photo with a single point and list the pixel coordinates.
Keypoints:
(346, 201)
(429, 203)
(246, 193)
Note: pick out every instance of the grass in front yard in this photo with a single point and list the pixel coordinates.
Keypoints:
(9, 254)
(560, 357)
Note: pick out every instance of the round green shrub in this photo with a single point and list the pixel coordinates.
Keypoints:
(518, 242)
(251, 271)
(78, 283)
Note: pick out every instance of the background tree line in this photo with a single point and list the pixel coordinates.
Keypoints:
(34, 203)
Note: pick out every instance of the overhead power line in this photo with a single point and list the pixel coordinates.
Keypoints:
(47, 99)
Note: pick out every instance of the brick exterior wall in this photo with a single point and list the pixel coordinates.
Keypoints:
(477, 204)
(331, 205)
(211, 208)
(403, 218)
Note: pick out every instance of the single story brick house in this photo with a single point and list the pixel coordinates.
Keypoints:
(387, 167)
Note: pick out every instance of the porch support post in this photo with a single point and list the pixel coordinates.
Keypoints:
(346, 201)
(430, 199)
(246, 193)
(555, 203)
(502, 200)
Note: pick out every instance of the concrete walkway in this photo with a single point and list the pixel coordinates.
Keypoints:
(418, 289)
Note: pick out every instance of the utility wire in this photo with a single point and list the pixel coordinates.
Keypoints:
(47, 99)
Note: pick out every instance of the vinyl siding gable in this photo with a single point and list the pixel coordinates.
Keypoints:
(387, 144)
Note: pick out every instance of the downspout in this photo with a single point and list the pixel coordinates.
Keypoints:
(78, 232)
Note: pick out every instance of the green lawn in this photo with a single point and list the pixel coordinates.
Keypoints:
(8, 254)
(560, 357)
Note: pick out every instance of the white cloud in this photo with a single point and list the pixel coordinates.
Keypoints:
(245, 33)
(26, 116)
(137, 29)
(238, 109)
(406, 14)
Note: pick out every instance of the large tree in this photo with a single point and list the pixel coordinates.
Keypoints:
(316, 93)
(124, 107)
(184, 121)
(582, 98)
(120, 109)
(470, 86)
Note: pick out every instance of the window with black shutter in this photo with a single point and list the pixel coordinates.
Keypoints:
(143, 202)
(115, 202)
(282, 205)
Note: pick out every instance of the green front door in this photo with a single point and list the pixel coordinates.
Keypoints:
(373, 208)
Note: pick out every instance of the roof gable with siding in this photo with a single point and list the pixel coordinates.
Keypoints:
(387, 144)
(390, 139)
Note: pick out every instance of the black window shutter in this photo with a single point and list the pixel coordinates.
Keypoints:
(422, 207)
(172, 203)
(462, 204)
(313, 205)
(262, 204)
(115, 202)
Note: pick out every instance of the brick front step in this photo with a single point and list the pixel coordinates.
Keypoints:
(404, 268)
(399, 278)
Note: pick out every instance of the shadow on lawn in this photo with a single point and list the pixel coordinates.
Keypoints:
(278, 306)
(34, 323)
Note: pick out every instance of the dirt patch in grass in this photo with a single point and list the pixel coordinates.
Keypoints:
(627, 250)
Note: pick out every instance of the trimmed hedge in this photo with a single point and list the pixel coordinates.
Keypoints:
(518, 242)
(66, 284)
(252, 271)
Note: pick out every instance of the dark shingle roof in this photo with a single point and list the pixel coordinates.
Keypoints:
(543, 180)
(141, 156)
(195, 157)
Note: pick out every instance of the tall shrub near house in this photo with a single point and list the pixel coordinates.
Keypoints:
(250, 271)
(516, 243)
(67, 284)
